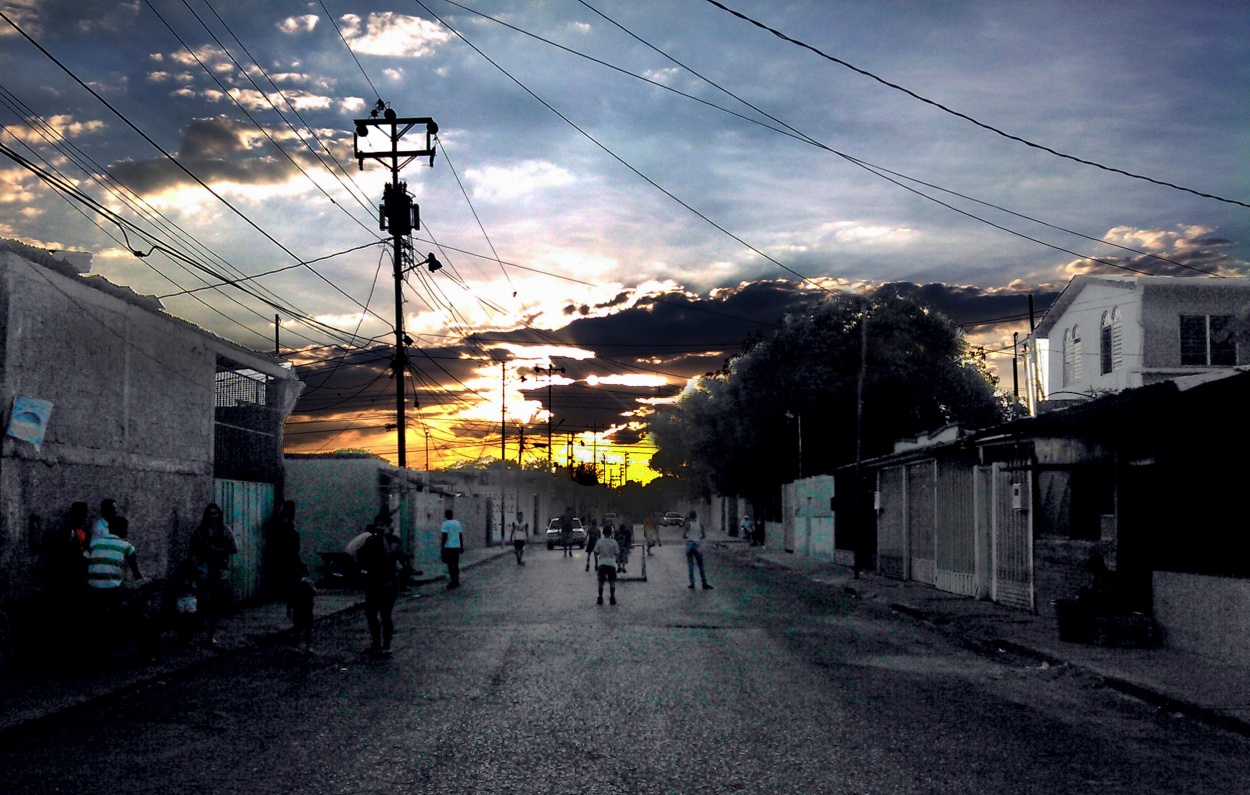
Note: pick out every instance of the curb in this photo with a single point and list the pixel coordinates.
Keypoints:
(984, 645)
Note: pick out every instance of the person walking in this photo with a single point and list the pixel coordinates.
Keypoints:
(592, 539)
(649, 534)
(377, 558)
(212, 544)
(519, 533)
(566, 533)
(606, 570)
(624, 535)
(284, 551)
(694, 536)
(452, 546)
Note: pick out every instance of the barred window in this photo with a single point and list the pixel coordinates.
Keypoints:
(1208, 340)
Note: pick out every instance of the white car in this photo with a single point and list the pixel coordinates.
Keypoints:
(553, 533)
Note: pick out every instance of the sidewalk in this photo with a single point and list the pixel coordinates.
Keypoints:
(28, 696)
(1173, 680)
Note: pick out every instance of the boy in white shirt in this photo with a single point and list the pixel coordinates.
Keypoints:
(453, 544)
(607, 550)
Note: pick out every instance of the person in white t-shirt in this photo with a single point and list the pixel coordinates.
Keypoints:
(694, 536)
(607, 550)
(453, 545)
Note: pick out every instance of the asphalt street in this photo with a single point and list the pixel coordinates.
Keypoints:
(518, 682)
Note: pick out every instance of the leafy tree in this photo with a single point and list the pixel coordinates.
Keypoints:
(738, 432)
(585, 475)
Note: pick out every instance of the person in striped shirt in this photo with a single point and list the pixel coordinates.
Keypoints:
(108, 555)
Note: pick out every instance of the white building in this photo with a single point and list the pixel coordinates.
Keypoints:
(1110, 333)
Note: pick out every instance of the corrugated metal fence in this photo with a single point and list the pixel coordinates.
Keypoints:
(245, 506)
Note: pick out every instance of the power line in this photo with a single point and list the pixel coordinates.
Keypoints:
(329, 16)
(965, 116)
(175, 161)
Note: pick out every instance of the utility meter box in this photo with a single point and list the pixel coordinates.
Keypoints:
(1017, 496)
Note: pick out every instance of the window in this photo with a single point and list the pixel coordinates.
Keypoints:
(1110, 342)
(1208, 340)
(1072, 355)
(1076, 354)
(1067, 356)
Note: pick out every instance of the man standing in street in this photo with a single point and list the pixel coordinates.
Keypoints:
(694, 536)
(519, 536)
(453, 544)
(606, 570)
(378, 557)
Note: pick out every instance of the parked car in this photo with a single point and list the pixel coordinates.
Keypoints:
(673, 519)
(611, 519)
(553, 533)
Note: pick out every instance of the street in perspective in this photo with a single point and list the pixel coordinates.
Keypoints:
(624, 396)
(776, 679)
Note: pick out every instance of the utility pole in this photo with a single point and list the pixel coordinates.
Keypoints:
(594, 448)
(1015, 364)
(399, 215)
(549, 371)
(858, 532)
(503, 412)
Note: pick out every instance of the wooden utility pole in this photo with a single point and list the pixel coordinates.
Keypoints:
(549, 371)
(399, 216)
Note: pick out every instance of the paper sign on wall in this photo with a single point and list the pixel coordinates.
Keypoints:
(29, 420)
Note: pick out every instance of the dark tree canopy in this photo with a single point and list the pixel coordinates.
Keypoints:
(738, 433)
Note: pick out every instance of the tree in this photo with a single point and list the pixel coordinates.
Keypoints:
(738, 432)
(585, 475)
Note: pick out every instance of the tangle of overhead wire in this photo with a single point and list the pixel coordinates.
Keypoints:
(790, 131)
(963, 116)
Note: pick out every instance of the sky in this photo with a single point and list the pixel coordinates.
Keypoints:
(622, 189)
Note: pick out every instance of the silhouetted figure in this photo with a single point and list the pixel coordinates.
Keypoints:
(212, 544)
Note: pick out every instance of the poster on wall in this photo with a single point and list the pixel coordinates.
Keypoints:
(29, 420)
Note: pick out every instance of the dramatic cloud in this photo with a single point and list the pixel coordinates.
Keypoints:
(302, 24)
(1180, 251)
(61, 126)
(504, 183)
(215, 150)
(393, 35)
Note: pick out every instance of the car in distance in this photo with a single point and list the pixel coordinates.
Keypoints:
(553, 533)
(673, 519)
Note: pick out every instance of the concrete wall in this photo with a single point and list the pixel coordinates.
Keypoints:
(1163, 308)
(1204, 615)
(335, 498)
(132, 419)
